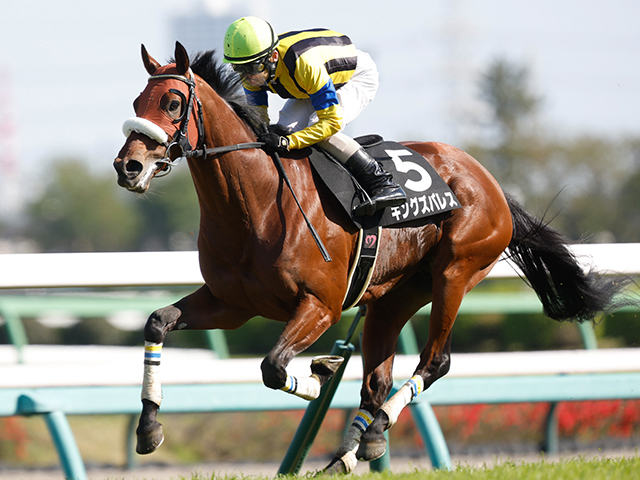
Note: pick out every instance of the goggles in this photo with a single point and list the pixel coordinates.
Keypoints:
(251, 68)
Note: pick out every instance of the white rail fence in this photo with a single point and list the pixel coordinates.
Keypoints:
(58, 270)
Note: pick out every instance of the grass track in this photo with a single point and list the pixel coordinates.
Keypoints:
(570, 469)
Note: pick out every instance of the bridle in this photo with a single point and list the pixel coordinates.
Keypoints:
(180, 140)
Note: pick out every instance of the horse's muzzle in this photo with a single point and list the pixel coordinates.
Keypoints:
(131, 175)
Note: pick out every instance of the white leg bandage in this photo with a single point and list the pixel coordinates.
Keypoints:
(349, 446)
(402, 398)
(151, 386)
(307, 388)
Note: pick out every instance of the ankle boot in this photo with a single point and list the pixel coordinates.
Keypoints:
(378, 184)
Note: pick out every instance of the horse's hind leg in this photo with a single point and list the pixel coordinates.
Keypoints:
(200, 310)
(451, 282)
(385, 319)
(434, 363)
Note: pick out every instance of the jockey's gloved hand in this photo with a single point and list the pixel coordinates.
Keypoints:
(274, 143)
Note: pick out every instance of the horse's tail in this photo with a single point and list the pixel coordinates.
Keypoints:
(566, 291)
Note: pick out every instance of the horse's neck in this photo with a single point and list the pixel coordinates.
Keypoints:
(232, 188)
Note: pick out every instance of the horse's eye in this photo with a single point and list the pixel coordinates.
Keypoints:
(174, 105)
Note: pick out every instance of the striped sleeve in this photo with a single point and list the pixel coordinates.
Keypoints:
(325, 97)
(329, 123)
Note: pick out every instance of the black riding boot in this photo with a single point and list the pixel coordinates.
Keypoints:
(378, 184)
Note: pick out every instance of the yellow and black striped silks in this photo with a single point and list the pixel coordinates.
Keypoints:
(312, 64)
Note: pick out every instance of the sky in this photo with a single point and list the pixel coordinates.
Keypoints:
(70, 69)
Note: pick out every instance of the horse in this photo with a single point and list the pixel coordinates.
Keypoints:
(258, 259)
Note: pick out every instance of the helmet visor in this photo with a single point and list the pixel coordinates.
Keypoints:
(251, 68)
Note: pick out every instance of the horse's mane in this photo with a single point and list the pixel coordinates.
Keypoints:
(226, 83)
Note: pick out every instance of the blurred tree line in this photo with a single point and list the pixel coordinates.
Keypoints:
(588, 183)
(80, 211)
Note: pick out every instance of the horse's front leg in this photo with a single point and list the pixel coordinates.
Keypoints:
(200, 310)
(310, 320)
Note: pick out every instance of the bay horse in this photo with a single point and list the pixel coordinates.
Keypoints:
(258, 259)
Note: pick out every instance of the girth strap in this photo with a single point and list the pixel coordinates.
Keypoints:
(363, 265)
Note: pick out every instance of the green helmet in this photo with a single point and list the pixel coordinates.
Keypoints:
(249, 39)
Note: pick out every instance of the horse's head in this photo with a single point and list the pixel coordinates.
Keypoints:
(166, 126)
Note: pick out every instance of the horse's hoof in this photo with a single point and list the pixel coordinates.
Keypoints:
(149, 442)
(336, 467)
(326, 365)
(371, 450)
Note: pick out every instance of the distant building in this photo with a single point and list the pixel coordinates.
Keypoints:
(12, 197)
(201, 30)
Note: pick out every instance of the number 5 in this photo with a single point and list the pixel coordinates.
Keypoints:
(417, 186)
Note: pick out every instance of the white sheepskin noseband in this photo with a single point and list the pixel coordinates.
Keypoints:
(145, 127)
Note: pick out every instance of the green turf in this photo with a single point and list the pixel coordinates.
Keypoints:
(570, 469)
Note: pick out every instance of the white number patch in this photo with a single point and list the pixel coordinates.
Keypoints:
(405, 166)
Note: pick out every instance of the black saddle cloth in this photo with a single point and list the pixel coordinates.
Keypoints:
(427, 193)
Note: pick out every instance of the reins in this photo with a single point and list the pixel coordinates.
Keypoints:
(312, 230)
(204, 152)
(187, 151)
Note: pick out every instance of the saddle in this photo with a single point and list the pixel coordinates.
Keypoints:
(427, 196)
(427, 193)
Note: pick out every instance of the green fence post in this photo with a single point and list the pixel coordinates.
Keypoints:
(16, 331)
(427, 424)
(132, 457)
(407, 342)
(217, 342)
(551, 430)
(588, 335)
(552, 443)
(66, 446)
(314, 415)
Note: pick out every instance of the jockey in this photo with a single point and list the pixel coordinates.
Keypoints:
(327, 83)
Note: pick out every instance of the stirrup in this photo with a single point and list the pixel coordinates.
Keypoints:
(365, 209)
(372, 204)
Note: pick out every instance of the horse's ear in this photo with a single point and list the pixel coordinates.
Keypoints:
(150, 63)
(182, 59)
